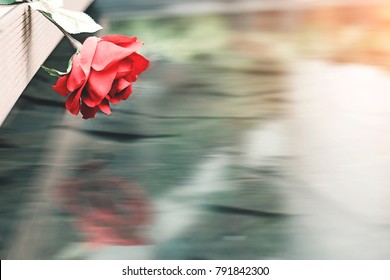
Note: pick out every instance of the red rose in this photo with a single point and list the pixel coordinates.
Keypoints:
(102, 72)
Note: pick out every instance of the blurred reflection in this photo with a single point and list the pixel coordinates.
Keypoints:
(259, 132)
(106, 209)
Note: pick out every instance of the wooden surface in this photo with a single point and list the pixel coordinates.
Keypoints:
(26, 40)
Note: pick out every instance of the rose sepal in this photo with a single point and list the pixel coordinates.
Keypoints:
(55, 73)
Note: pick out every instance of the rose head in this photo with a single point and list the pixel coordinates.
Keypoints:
(102, 73)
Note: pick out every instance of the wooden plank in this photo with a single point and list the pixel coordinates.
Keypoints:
(5, 9)
(26, 40)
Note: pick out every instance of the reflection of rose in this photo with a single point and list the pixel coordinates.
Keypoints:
(102, 72)
(107, 211)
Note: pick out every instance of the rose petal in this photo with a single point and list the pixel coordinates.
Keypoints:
(131, 77)
(113, 90)
(60, 86)
(88, 112)
(108, 54)
(105, 107)
(99, 85)
(124, 67)
(77, 76)
(73, 102)
(122, 84)
(122, 95)
(120, 40)
(127, 92)
(87, 53)
(140, 63)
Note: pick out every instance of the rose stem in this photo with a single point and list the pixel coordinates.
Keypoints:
(76, 44)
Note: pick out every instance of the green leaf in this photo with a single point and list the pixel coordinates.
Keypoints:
(75, 22)
(47, 6)
(71, 21)
(55, 73)
(7, 2)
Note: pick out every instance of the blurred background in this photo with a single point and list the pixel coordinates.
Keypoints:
(260, 131)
